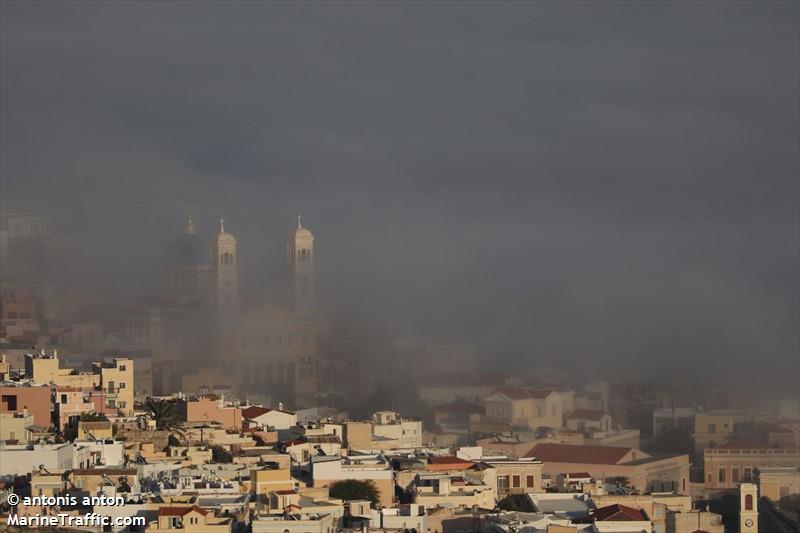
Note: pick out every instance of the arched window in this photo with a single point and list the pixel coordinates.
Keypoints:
(748, 502)
(12, 315)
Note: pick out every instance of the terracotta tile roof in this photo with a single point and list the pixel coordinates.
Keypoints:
(449, 462)
(519, 393)
(579, 475)
(254, 411)
(586, 414)
(574, 453)
(180, 511)
(515, 393)
(619, 513)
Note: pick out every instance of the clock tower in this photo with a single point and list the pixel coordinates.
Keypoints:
(748, 510)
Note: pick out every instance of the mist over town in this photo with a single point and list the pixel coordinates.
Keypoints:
(400, 267)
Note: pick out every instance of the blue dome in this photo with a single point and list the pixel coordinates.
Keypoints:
(188, 250)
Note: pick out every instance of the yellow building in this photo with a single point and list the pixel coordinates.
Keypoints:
(779, 482)
(734, 463)
(190, 519)
(528, 407)
(116, 380)
(14, 426)
(713, 428)
(265, 480)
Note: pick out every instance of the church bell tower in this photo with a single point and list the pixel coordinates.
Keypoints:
(748, 510)
(224, 275)
(300, 260)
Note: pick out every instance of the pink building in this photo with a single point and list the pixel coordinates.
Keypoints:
(211, 408)
(34, 398)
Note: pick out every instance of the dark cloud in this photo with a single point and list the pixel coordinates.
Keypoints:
(599, 183)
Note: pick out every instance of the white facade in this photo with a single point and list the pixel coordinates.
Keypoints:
(21, 459)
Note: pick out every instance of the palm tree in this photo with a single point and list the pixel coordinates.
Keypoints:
(166, 416)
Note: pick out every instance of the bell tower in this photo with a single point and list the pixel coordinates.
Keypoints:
(300, 260)
(224, 275)
(748, 510)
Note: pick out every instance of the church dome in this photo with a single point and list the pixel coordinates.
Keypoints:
(301, 232)
(188, 250)
(223, 237)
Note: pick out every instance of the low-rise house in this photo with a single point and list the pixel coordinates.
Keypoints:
(173, 519)
(92, 480)
(387, 430)
(528, 407)
(21, 459)
(777, 483)
(616, 518)
(573, 506)
(272, 419)
(210, 408)
(736, 462)
(511, 476)
(446, 490)
(294, 523)
(16, 427)
(588, 419)
(405, 517)
(16, 397)
(327, 470)
(269, 478)
(645, 472)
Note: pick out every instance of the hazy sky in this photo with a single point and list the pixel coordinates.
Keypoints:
(605, 185)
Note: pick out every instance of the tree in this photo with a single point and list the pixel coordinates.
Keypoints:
(356, 489)
(166, 416)
(221, 455)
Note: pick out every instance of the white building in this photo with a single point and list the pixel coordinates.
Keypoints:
(21, 459)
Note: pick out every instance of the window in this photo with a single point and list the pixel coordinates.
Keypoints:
(63, 399)
(502, 483)
(722, 475)
(121, 384)
(111, 385)
(122, 368)
(748, 502)
(515, 481)
(289, 340)
(748, 475)
(529, 481)
(735, 474)
(539, 411)
(712, 428)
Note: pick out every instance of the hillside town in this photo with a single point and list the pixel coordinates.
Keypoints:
(200, 410)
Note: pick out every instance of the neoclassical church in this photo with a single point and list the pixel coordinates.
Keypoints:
(200, 323)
